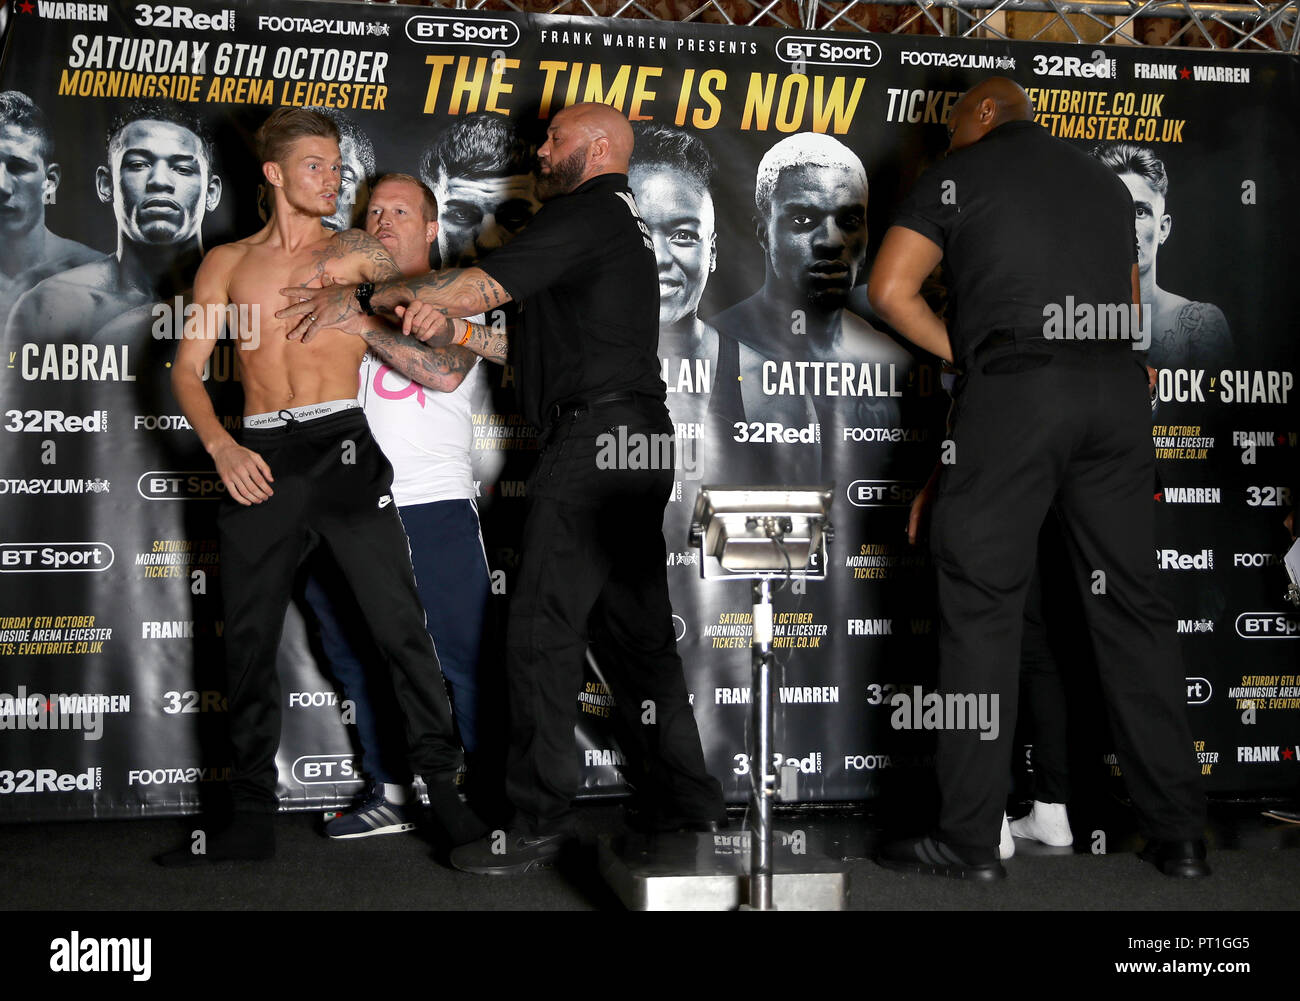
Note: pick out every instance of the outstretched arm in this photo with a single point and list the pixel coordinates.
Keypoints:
(455, 292)
(435, 366)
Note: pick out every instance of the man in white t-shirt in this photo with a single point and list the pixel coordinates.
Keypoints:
(418, 404)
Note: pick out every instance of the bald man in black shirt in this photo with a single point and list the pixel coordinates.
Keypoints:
(1030, 229)
(594, 564)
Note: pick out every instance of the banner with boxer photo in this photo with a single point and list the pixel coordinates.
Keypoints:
(767, 168)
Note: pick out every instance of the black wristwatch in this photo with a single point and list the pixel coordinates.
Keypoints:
(363, 293)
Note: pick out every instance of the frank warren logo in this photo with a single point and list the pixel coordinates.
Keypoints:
(67, 11)
(55, 557)
(1265, 754)
(35, 711)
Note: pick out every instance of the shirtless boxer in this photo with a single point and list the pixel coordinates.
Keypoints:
(305, 471)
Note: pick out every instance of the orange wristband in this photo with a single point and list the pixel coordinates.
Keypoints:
(469, 329)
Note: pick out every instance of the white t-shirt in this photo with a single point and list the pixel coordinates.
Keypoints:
(427, 435)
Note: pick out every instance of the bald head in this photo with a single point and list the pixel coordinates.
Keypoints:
(984, 107)
(583, 141)
(600, 121)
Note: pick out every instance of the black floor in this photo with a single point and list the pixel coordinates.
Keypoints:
(384, 912)
(107, 865)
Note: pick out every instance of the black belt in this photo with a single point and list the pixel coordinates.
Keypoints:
(1032, 337)
(1010, 335)
(1002, 337)
(576, 406)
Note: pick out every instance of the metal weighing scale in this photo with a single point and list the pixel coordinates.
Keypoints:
(754, 534)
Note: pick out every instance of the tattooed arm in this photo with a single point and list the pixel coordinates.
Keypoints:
(455, 292)
(442, 369)
(423, 322)
(437, 368)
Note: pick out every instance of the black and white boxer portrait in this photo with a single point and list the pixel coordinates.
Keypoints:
(158, 177)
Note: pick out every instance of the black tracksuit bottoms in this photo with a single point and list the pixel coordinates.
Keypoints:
(332, 487)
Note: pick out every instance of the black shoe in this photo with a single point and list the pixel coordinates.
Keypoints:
(457, 822)
(246, 837)
(509, 853)
(935, 858)
(1184, 859)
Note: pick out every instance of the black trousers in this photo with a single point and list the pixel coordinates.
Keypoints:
(1033, 426)
(333, 488)
(593, 570)
(1040, 673)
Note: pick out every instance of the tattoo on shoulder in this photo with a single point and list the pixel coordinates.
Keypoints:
(1203, 322)
(375, 262)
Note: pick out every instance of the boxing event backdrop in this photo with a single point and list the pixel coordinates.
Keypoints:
(110, 618)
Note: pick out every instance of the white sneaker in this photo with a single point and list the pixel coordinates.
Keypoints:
(1006, 846)
(1047, 823)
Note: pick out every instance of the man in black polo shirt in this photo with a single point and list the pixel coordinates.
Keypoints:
(594, 561)
(1029, 229)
